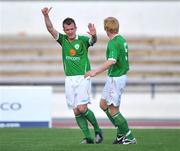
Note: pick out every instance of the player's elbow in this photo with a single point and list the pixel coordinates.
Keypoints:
(111, 62)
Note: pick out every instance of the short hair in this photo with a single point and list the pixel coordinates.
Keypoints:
(111, 24)
(69, 21)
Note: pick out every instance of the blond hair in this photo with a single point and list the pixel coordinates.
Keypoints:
(111, 25)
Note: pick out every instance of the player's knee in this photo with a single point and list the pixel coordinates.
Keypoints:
(103, 104)
(82, 108)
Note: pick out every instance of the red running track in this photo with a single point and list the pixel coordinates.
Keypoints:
(69, 123)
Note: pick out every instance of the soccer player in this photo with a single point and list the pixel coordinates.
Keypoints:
(117, 66)
(76, 64)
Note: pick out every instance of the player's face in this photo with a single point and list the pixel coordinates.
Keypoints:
(108, 33)
(70, 31)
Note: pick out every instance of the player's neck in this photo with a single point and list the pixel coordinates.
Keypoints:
(71, 38)
(111, 36)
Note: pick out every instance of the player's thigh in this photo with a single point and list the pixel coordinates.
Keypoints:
(106, 89)
(84, 91)
(70, 93)
(120, 83)
(116, 90)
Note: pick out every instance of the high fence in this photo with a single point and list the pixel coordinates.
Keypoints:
(154, 63)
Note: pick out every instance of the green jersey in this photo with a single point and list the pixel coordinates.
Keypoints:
(117, 50)
(75, 55)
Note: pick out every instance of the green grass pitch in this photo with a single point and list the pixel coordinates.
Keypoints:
(58, 139)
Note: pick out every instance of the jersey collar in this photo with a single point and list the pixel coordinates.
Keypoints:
(115, 36)
(76, 38)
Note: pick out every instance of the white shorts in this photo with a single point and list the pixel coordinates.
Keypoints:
(113, 90)
(77, 89)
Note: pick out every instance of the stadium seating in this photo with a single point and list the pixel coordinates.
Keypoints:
(37, 60)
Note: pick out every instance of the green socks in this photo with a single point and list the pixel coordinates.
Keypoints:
(117, 120)
(82, 123)
(109, 116)
(81, 120)
(122, 125)
(89, 115)
(111, 119)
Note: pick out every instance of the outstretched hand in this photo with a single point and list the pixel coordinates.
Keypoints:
(90, 73)
(46, 10)
(92, 29)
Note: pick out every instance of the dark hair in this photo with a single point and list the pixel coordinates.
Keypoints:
(69, 21)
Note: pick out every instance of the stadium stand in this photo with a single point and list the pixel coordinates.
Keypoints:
(37, 61)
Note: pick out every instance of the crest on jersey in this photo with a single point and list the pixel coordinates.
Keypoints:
(76, 46)
(72, 52)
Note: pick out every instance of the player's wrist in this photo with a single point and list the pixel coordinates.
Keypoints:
(94, 35)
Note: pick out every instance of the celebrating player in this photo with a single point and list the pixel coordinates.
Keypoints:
(76, 64)
(117, 65)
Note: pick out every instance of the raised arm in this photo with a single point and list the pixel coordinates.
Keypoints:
(92, 32)
(49, 25)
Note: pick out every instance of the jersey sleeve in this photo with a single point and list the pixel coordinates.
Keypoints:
(60, 38)
(86, 41)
